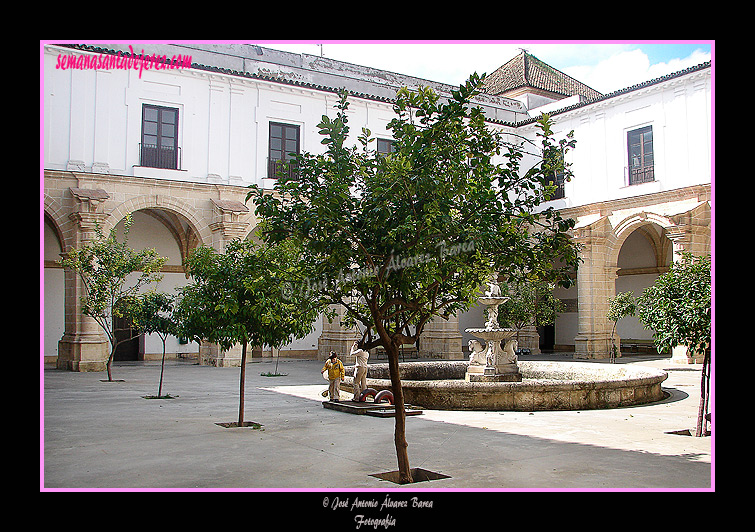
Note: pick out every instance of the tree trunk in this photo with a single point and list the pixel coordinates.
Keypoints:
(162, 370)
(704, 392)
(404, 472)
(242, 379)
(109, 362)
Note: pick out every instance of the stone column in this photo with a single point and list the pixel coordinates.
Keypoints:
(336, 337)
(528, 338)
(441, 339)
(227, 225)
(596, 283)
(212, 355)
(688, 235)
(84, 345)
(691, 233)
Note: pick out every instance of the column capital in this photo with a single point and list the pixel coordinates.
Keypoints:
(89, 207)
(688, 238)
(87, 221)
(678, 233)
(227, 218)
(89, 199)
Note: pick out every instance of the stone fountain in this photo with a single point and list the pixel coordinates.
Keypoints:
(493, 380)
(493, 363)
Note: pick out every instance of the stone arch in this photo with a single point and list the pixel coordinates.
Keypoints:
(59, 221)
(648, 256)
(639, 221)
(169, 204)
(647, 246)
(254, 235)
(189, 228)
(53, 279)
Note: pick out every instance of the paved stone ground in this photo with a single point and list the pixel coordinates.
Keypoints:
(107, 436)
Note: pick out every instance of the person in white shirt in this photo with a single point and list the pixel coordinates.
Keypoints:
(360, 370)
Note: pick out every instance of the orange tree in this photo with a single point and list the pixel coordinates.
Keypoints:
(241, 296)
(153, 314)
(401, 239)
(678, 309)
(113, 276)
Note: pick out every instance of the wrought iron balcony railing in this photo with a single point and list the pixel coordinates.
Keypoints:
(159, 157)
(558, 182)
(640, 174)
(277, 169)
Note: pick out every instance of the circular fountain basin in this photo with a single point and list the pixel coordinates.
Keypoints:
(545, 386)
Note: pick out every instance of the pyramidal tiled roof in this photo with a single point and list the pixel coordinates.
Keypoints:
(526, 70)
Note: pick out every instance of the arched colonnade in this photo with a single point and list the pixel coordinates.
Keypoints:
(624, 244)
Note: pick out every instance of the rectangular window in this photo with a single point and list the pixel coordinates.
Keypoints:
(640, 148)
(284, 146)
(385, 146)
(159, 146)
(557, 179)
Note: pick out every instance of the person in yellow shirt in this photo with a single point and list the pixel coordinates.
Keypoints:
(336, 374)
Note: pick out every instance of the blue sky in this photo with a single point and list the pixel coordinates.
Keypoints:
(604, 66)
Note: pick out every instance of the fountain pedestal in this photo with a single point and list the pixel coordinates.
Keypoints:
(499, 365)
(493, 363)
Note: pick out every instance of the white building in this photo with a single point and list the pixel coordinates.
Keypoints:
(177, 147)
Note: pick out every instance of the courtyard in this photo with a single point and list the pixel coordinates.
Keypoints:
(107, 436)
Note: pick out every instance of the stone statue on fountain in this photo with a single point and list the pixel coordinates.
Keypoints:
(492, 363)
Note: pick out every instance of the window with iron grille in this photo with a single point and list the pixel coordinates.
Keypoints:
(557, 179)
(284, 146)
(159, 145)
(640, 148)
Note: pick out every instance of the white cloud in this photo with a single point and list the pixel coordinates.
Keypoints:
(628, 68)
(695, 58)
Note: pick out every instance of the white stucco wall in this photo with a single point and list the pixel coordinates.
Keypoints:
(93, 120)
(679, 111)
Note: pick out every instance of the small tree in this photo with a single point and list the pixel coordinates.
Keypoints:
(113, 276)
(154, 314)
(243, 296)
(401, 239)
(619, 306)
(678, 308)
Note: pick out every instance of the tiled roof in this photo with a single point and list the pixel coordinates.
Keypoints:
(523, 70)
(638, 86)
(526, 70)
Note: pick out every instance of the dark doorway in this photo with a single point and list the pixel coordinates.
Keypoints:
(547, 337)
(128, 348)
